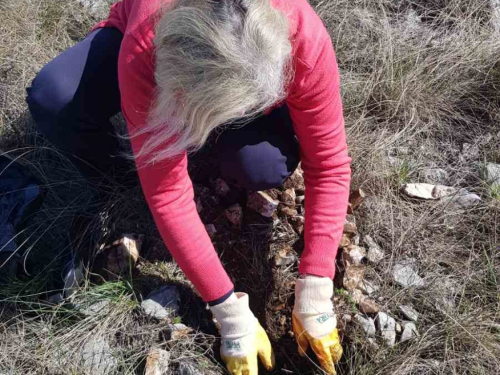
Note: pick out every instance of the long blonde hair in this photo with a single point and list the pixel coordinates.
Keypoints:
(217, 61)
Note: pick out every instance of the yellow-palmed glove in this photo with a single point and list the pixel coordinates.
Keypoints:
(243, 338)
(314, 321)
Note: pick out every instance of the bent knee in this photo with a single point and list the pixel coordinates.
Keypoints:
(47, 97)
(258, 167)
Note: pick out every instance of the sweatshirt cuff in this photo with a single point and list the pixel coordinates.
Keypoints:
(221, 299)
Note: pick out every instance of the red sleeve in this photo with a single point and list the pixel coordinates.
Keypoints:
(166, 185)
(316, 110)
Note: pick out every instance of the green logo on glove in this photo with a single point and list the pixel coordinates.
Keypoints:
(323, 318)
(233, 344)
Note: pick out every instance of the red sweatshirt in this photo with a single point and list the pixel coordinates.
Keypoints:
(316, 110)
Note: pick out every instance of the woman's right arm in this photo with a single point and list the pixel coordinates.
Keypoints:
(166, 185)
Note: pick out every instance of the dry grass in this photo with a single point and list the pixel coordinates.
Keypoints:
(420, 83)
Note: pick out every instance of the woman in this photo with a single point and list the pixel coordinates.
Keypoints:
(179, 69)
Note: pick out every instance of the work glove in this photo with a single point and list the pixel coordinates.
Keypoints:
(314, 321)
(243, 338)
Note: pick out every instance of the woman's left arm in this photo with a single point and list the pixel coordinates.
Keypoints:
(316, 110)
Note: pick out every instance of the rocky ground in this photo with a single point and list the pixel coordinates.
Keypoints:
(418, 270)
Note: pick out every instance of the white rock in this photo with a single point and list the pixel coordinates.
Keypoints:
(404, 273)
(366, 323)
(422, 191)
(157, 362)
(162, 303)
(284, 258)
(398, 328)
(409, 312)
(375, 253)
(296, 181)
(428, 191)
(387, 328)
(353, 255)
(356, 239)
(262, 203)
(491, 173)
(409, 331)
(97, 358)
(178, 331)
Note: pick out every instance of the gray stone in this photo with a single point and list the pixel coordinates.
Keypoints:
(97, 308)
(366, 323)
(96, 357)
(463, 199)
(435, 175)
(221, 188)
(187, 368)
(211, 230)
(387, 327)
(491, 174)
(234, 214)
(375, 253)
(441, 191)
(409, 312)
(162, 303)
(444, 292)
(368, 287)
(157, 362)
(404, 273)
(409, 331)
(262, 203)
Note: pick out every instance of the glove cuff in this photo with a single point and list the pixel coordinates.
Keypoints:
(234, 316)
(313, 295)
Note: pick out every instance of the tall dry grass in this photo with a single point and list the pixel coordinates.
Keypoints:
(420, 86)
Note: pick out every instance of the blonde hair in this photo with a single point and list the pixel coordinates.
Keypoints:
(217, 61)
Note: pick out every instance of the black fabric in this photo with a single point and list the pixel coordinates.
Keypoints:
(20, 196)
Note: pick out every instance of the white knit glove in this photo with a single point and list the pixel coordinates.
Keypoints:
(315, 322)
(243, 338)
